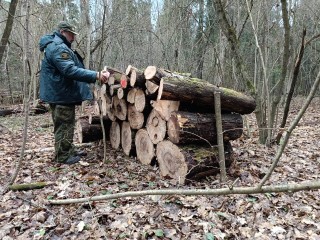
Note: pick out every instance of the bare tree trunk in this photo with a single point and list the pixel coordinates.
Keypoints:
(230, 33)
(27, 54)
(8, 28)
(277, 91)
(87, 22)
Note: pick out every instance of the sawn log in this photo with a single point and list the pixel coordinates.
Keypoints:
(196, 95)
(195, 128)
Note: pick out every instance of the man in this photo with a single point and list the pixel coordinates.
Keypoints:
(64, 83)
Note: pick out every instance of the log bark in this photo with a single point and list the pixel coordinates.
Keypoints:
(6, 112)
(95, 119)
(144, 147)
(196, 95)
(111, 113)
(91, 132)
(127, 139)
(136, 119)
(156, 127)
(189, 162)
(115, 135)
(105, 103)
(196, 128)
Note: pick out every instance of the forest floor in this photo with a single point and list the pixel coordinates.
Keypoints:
(27, 214)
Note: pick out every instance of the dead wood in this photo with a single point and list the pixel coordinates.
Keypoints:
(144, 147)
(196, 128)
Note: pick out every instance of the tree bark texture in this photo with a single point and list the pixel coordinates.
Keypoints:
(91, 132)
(187, 128)
(196, 95)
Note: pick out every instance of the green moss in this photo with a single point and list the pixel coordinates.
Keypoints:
(200, 153)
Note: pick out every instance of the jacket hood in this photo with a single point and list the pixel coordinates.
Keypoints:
(53, 37)
(45, 40)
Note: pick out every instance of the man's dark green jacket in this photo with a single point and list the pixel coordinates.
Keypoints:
(63, 79)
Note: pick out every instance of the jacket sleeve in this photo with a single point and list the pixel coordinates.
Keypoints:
(64, 61)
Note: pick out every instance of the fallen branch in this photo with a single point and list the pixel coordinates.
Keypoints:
(294, 187)
(27, 186)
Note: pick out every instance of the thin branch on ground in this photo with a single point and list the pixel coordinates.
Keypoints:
(290, 188)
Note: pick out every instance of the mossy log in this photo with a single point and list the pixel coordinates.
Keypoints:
(27, 186)
(196, 95)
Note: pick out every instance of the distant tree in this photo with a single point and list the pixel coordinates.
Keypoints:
(8, 28)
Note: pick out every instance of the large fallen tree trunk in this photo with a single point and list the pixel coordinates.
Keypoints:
(189, 162)
(196, 95)
(187, 128)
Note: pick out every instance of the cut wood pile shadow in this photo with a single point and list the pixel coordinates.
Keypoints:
(165, 118)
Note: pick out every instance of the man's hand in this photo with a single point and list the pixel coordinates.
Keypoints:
(103, 76)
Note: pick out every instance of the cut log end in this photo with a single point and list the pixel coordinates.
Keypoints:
(140, 100)
(115, 135)
(171, 161)
(150, 72)
(135, 118)
(144, 147)
(128, 70)
(127, 140)
(156, 127)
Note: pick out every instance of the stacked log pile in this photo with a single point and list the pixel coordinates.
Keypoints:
(167, 118)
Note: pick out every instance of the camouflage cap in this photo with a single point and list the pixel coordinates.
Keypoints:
(65, 26)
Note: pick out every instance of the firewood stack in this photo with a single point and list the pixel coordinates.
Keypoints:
(164, 117)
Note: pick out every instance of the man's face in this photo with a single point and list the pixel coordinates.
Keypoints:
(68, 35)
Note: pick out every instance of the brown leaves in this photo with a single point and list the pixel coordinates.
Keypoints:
(26, 215)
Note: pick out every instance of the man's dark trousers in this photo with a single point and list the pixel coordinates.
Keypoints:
(63, 117)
